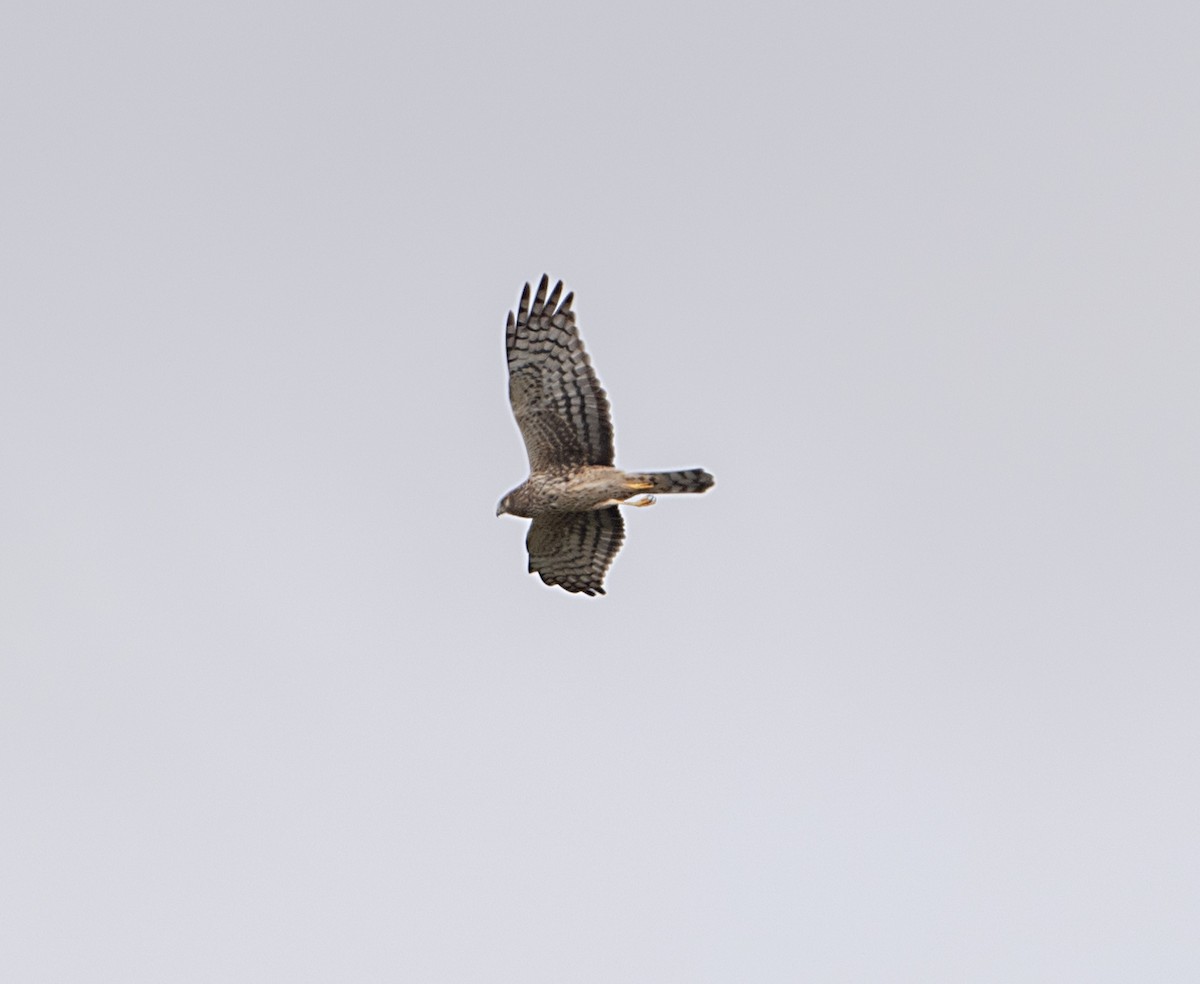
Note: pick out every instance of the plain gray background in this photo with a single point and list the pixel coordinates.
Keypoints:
(910, 696)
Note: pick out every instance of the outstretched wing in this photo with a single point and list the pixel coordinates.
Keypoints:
(574, 550)
(558, 401)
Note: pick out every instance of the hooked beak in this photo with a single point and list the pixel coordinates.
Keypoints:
(500, 509)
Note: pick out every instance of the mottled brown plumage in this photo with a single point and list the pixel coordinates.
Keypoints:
(573, 490)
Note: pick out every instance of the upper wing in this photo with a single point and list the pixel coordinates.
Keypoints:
(574, 550)
(558, 401)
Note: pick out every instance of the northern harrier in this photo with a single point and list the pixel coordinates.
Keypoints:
(573, 490)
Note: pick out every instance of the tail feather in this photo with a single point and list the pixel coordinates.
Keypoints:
(692, 480)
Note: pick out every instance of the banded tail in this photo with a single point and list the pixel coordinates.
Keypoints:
(692, 480)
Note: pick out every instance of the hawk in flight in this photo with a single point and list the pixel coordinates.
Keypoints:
(573, 490)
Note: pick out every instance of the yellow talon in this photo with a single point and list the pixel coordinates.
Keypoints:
(646, 500)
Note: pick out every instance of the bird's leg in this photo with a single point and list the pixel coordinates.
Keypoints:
(646, 500)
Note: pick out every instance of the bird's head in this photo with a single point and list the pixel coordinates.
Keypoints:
(502, 508)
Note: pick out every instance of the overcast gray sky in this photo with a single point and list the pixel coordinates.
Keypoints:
(910, 696)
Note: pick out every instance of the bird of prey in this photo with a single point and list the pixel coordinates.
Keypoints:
(573, 491)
